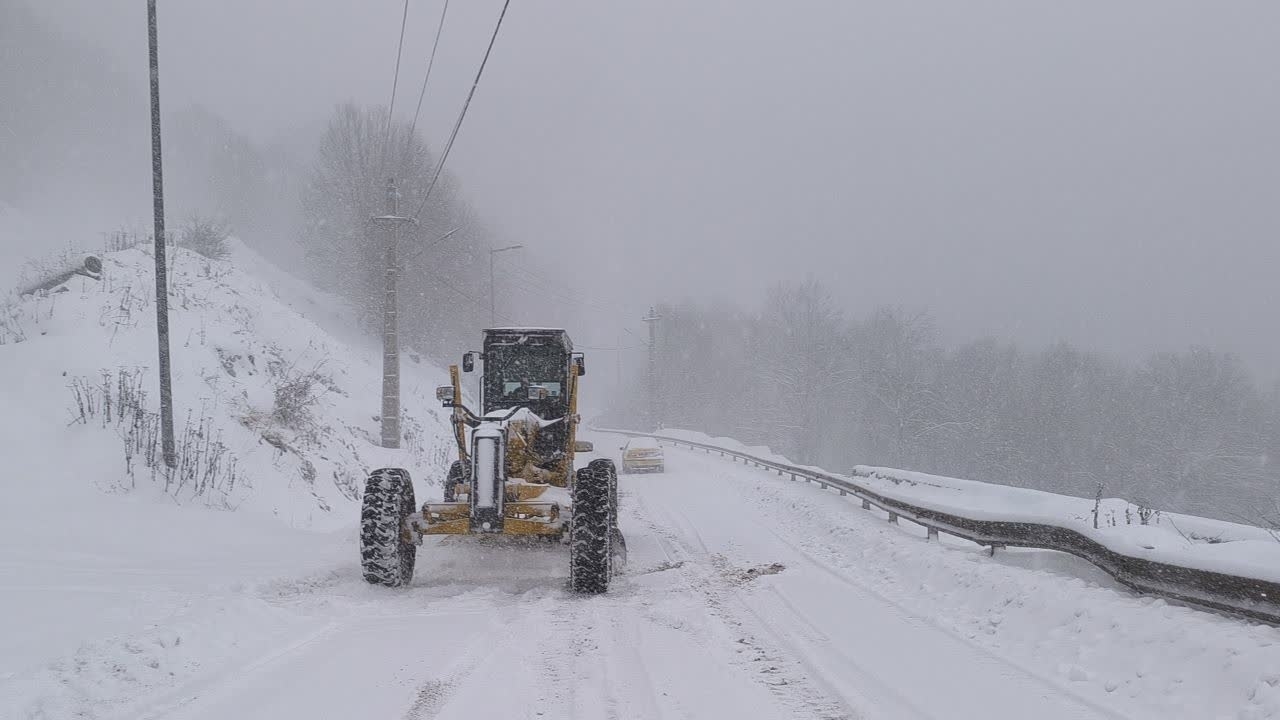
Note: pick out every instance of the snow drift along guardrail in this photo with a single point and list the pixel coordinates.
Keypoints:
(1251, 593)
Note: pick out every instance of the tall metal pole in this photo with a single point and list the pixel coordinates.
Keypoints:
(390, 417)
(655, 421)
(493, 313)
(390, 336)
(162, 280)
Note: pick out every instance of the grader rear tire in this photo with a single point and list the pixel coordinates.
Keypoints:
(591, 532)
(604, 465)
(386, 556)
(617, 542)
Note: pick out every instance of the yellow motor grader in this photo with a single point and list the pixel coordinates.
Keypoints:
(515, 470)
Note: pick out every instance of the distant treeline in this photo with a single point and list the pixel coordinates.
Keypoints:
(1184, 431)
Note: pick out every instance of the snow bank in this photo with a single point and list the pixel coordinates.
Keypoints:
(1171, 538)
(111, 584)
(294, 406)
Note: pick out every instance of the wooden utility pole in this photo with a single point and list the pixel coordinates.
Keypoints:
(162, 281)
(390, 223)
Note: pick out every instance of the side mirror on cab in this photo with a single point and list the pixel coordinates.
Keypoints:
(468, 362)
(581, 362)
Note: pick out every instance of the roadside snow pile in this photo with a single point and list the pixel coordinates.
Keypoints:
(273, 413)
(1123, 527)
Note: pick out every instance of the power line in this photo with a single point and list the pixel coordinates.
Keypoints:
(552, 292)
(395, 80)
(467, 296)
(564, 294)
(458, 125)
(544, 280)
(431, 61)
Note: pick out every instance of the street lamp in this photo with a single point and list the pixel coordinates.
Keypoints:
(493, 314)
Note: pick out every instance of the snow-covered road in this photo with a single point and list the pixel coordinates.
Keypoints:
(746, 596)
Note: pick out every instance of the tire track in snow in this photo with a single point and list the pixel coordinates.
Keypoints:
(996, 662)
(855, 632)
(766, 663)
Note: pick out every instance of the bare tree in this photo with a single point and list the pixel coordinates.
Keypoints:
(439, 280)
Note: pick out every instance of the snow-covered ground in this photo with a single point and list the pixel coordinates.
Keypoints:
(746, 595)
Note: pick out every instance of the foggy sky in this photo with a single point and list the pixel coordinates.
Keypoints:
(1103, 173)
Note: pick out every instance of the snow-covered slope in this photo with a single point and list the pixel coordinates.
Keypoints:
(111, 579)
(254, 370)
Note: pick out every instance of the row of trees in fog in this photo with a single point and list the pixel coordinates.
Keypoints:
(1184, 431)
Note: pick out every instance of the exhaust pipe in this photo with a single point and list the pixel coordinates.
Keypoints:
(487, 480)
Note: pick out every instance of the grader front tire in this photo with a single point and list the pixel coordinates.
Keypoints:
(591, 532)
(387, 557)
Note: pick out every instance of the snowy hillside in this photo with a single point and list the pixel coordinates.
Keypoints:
(273, 413)
(112, 571)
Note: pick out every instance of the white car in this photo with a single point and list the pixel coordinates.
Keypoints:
(642, 454)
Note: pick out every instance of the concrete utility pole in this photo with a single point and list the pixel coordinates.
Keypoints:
(655, 420)
(162, 280)
(390, 223)
(493, 312)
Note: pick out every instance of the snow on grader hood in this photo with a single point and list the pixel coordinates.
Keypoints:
(515, 472)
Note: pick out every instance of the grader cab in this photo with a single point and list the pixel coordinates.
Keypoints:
(515, 471)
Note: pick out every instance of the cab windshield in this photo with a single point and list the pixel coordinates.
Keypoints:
(514, 370)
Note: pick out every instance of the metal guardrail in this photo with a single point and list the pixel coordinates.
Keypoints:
(1247, 596)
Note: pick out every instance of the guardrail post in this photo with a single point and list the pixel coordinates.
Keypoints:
(866, 504)
(933, 533)
(893, 517)
(842, 492)
(793, 477)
